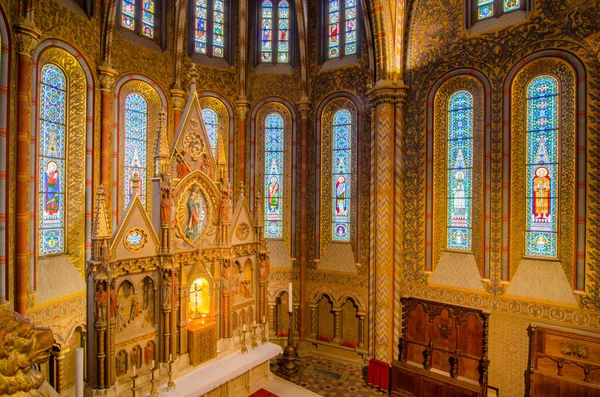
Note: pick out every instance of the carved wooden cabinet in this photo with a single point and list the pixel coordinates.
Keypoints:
(564, 362)
(443, 351)
(202, 341)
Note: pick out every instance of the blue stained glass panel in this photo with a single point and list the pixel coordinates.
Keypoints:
(460, 170)
(511, 5)
(283, 38)
(136, 141)
(485, 9)
(201, 15)
(334, 26)
(211, 121)
(341, 176)
(350, 34)
(51, 160)
(274, 189)
(542, 167)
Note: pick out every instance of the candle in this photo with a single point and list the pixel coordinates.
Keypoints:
(244, 329)
(254, 324)
(290, 299)
(152, 364)
(264, 322)
(79, 372)
(170, 357)
(134, 370)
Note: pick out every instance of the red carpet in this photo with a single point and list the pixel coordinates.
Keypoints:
(263, 393)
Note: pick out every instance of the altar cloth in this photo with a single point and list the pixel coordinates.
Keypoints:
(222, 370)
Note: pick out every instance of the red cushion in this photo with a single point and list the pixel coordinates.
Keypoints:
(350, 343)
(282, 333)
(325, 338)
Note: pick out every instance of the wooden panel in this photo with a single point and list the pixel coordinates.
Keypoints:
(419, 329)
(202, 341)
(431, 387)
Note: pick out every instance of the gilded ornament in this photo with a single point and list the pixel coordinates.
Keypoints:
(136, 239)
(242, 231)
(26, 36)
(575, 349)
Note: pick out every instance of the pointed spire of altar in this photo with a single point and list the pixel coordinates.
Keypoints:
(193, 74)
(162, 148)
(101, 223)
(135, 186)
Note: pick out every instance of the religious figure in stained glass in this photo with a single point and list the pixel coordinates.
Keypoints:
(459, 170)
(542, 167)
(273, 176)
(52, 160)
(341, 175)
(211, 121)
(342, 14)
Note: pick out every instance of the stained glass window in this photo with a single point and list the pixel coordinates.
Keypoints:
(341, 13)
(495, 8)
(209, 27)
(266, 42)
(542, 167)
(275, 19)
(136, 136)
(139, 16)
(211, 121)
(460, 170)
(283, 32)
(341, 176)
(52, 160)
(274, 176)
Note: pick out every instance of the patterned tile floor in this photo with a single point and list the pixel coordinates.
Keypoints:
(332, 379)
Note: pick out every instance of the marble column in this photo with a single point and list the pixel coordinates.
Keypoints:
(304, 108)
(383, 98)
(272, 322)
(337, 326)
(26, 37)
(241, 107)
(107, 76)
(313, 321)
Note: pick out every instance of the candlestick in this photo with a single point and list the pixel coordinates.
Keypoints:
(134, 370)
(289, 368)
(133, 388)
(244, 349)
(153, 391)
(290, 298)
(254, 343)
(171, 384)
(263, 338)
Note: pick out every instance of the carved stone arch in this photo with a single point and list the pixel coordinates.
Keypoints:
(128, 280)
(280, 288)
(81, 326)
(358, 300)
(318, 292)
(200, 271)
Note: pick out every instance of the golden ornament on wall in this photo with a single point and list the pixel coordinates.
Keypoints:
(136, 239)
(242, 231)
(193, 144)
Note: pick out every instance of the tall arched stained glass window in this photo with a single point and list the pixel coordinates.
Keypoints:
(139, 16)
(274, 176)
(341, 14)
(209, 27)
(341, 175)
(136, 137)
(542, 167)
(51, 160)
(211, 121)
(275, 31)
(460, 170)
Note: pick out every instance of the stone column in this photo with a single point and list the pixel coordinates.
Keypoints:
(241, 107)
(313, 321)
(178, 103)
(383, 99)
(26, 37)
(304, 108)
(107, 76)
(272, 322)
(361, 330)
(337, 326)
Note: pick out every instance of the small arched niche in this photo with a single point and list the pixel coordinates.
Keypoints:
(350, 323)
(325, 324)
(200, 302)
(281, 314)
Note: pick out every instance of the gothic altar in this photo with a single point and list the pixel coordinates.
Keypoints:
(173, 284)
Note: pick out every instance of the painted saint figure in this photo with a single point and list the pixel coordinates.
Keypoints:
(273, 196)
(459, 197)
(541, 194)
(52, 185)
(100, 303)
(340, 196)
(182, 168)
(194, 214)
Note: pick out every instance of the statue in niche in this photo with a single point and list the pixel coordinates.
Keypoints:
(100, 299)
(205, 165)
(226, 279)
(121, 363)
(165, 207)
(167, 290)
(194, 207)
(182, 168)
(113, 300)
(264, 267)
(175, 289)
(149, 353)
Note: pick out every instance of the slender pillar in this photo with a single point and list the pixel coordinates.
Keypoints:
(272, 314)
(337, 326)
(304, 108)
(27, 39)
(106, 75)
(383, 99)
(313, 321)
(361, 331)
(178, 102)
(242, 106)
